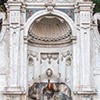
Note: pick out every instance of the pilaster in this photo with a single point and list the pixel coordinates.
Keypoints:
(76, 56)
(14, 90)
(85, 22)
(84, 25)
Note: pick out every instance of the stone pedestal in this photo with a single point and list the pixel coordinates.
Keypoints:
(14, 93)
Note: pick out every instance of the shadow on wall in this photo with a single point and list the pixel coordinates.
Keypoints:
(98, 22)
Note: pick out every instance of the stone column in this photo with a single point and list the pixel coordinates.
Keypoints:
(85, 15)
(76, 55)
(13, 90)
(85, 26)
(14, 44)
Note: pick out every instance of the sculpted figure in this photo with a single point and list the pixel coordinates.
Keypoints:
(97, 21)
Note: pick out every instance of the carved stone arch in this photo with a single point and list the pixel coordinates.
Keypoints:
(52, 55)
(45, 12)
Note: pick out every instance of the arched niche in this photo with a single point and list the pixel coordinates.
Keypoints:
(45, 12)
(50, 45)
(49, 30)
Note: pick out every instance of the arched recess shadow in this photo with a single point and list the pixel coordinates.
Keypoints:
(45, 12)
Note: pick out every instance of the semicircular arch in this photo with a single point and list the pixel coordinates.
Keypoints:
(45, 12)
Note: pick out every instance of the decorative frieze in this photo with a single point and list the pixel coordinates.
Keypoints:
(31, 11)
(49, 56)
(52, 1)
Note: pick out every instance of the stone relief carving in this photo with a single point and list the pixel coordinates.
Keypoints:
(3, 27)
(47, 39)
(69, 12)
(97, 57)
(30, 61)
(85, 17)
(50, 6)
(68, 56)
(68, 61)
(31, 56)
(96, 41)
(15, 16)
(97, 21)
(49, 56)
(31, 11)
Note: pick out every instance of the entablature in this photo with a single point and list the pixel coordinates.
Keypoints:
(50, 1)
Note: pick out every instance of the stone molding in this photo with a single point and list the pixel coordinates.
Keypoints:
(13, 91)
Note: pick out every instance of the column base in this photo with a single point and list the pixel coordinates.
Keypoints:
(14, 90)
(14, 93)
(86, 90)
(85, 95)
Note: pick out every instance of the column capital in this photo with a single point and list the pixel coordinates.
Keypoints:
(14, 5)
(85, 6)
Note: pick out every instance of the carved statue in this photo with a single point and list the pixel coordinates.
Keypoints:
(97, 21)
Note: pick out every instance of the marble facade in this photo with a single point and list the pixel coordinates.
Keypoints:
(59, 35)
